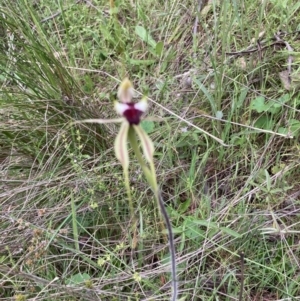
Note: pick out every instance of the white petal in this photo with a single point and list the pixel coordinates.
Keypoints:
(142, 105)
(121, 107)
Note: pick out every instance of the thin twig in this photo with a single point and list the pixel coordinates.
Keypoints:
(244, 125)
(252, 48)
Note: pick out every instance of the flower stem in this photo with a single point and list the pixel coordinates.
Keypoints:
(171, 245)
(74, 222)
(129, 195)
(150, 175)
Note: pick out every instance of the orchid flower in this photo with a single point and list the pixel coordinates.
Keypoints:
(129, 131)
(132, 113)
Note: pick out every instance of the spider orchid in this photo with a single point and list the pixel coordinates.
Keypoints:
(131, 116)
(130, 128)
(132, 113)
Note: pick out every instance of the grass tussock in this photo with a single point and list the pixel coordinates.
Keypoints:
(229, 68)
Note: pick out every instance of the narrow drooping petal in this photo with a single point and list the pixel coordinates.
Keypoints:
(100, 121)
(121, 145)
(146, 142)
(126, 91)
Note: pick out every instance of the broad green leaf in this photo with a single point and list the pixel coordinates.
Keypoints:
(147, 126)
(258, 104)
(145, 36)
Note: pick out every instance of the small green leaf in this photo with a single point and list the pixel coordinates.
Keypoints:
(184, 206)
(159, 48)
(283, 130)
(230, 232)
(277, 168)
(88, 84)
(141, 62)
(114, 10)
(294, 126)
(264, 122)
(145, 36)
(191, 231)
(147, 126)
(205, 223)
(258, 104)
(78, 279)
(121, 145)
(242, 97)
(268, 180)
(206, 93)
(178, 230)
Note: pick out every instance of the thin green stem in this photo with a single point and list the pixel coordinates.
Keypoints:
(150, 175)
(127, 185)
(74, 222)
(153, 173)
(131, 208)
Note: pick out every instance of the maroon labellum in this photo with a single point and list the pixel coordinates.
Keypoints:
(132, 111)
(132, 114)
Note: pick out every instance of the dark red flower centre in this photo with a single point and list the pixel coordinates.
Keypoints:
(132, 114)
